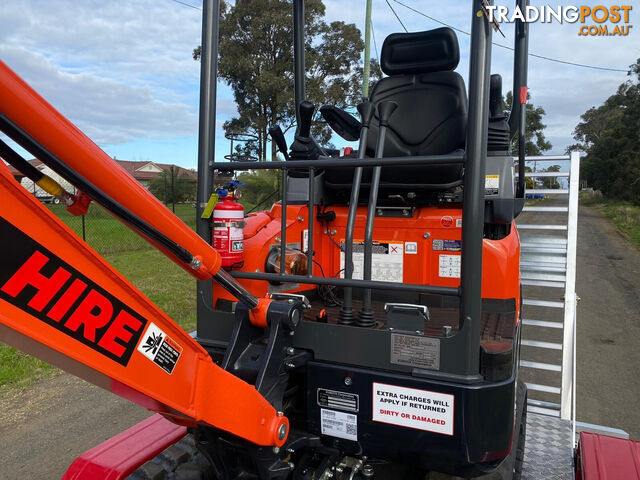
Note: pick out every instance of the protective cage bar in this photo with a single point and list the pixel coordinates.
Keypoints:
(548, 263)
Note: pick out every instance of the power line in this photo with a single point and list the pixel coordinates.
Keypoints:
(375, 45)
(542, 57)
(394, 12)
(187, 4)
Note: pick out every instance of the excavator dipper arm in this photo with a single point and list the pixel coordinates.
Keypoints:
(60, 301)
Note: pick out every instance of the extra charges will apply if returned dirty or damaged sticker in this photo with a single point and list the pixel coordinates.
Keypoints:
(415, 351)
(158, 347)
(339, 424)
(413, 408)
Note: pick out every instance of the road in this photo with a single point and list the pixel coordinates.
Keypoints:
(45, 427)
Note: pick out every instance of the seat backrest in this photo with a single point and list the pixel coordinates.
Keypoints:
(431, 117)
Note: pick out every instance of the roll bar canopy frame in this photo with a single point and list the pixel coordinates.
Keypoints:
(473, 160)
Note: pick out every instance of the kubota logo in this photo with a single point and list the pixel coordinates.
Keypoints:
(41, 284)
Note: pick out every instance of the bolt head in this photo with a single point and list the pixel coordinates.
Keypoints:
(348, 381)
(295, 317)
(276, 449)
(290, 351)
(426, 235)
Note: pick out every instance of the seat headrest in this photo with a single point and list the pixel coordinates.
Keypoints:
(421, 52)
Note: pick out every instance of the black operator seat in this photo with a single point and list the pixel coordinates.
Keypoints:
(431, 117)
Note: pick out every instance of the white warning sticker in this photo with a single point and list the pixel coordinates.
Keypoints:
(387, 262)
(411, 248)
(339, 424)
(413, 408)
(158, 347)
(449, 266)
(492, 184)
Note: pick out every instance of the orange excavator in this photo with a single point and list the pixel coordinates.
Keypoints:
(367, 324)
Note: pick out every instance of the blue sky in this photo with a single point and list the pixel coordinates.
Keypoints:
(123, 72)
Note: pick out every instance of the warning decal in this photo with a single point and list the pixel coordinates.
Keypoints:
(449, 266)
(415, 351)
(492, 185)
(387, 262)
(413, 408)
(339, 424)
(160, 348)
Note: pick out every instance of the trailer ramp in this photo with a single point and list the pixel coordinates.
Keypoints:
(548, 453)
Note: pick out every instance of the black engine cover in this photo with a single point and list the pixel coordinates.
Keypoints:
(463, 430)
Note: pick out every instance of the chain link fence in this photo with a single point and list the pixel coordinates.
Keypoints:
(107, 235)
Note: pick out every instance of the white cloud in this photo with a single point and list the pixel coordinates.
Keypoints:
(120, 70)
(123, 70)
(107, 111)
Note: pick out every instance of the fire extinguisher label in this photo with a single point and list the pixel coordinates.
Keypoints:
(228, 234)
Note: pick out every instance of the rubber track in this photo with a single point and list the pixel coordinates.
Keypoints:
(180, 461)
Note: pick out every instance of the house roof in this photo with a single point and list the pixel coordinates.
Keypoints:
(132, 168)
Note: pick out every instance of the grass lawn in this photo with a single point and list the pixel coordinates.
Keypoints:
(107, 235)
(625, 216)
(162, 281)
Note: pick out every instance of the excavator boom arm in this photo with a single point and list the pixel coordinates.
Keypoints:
(60, 301)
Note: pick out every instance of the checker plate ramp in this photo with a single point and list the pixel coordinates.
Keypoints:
(548, 454)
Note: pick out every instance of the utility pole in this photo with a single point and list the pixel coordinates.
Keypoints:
(367, 51)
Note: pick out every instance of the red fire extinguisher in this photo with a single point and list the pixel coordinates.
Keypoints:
(228, 225)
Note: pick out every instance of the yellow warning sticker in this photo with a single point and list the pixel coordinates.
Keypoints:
(208, 210)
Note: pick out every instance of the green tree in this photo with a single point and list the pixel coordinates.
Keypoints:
(183, 189)
(610, 136)
(551, 182)
(256, 61)
(534, 134)
(261, 189)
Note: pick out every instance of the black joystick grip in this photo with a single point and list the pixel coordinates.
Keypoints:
(306, 114)
(366, 112)
(385, 110)
(278, 137)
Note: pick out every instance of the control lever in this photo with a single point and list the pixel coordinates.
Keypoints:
(346, 312)
(385, 110)
(277, 136)
(306, 114)
(304, 147)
